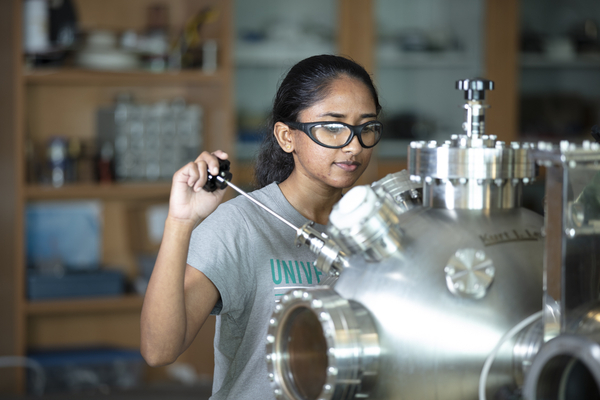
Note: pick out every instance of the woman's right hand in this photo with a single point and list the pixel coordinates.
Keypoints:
(189, 203)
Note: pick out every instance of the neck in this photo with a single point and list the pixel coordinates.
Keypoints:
(312, 201)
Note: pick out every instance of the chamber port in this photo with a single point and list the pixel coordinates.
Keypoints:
(566, 368)
(566, 378)
(306, 349)
(321, 347)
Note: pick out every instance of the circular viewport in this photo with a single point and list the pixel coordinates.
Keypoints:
(305, 353)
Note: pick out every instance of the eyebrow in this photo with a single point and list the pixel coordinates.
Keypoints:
(337, 115)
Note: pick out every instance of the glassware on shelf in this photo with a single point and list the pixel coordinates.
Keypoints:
(57, 159)
(151, 142)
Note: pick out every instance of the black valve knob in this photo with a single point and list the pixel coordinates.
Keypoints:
(212, 183)
(475, 88)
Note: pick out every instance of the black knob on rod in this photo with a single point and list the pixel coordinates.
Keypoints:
(475, 88)
(213, 183)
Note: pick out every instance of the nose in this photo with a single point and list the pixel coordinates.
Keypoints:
(353, 147)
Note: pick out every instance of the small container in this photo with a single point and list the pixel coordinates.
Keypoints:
(36, 26)
(57, 159)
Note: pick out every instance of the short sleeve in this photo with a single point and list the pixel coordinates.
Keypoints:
(219, 248)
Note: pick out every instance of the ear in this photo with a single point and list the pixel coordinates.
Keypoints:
(284, 136)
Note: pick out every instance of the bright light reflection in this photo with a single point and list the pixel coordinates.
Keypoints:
(449, 195)
(433, 329)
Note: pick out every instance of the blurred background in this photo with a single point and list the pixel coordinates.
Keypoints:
(102, 101)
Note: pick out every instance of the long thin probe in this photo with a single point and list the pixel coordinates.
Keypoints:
(258, 203)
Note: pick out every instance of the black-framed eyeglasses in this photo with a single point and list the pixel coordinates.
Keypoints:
(335, 135)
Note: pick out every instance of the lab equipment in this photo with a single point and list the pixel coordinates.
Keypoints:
(427, 293)
(466, 296)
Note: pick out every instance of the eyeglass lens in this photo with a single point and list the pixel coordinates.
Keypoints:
(337, 134)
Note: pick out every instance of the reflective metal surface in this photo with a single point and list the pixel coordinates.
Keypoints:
(406, 193)
(433, 342)
(567, 366)
(474, 89)
(469, 273)
(364, 223)
(471, 172)
(572, 259)
(321, 346)
(527, 345)
(446, 287)
(330, 259)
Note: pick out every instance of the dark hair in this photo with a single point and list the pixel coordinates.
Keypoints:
(306, 83)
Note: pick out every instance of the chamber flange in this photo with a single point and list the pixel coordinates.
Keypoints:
(321, 346)
(566, 368)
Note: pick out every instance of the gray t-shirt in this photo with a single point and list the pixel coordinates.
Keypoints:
(251, 258)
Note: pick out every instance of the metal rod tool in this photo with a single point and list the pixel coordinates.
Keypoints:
(258, 203)
(330, 259)
(223, 178)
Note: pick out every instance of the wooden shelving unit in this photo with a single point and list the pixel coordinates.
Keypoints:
(87, 305)
(107, 191)
(36, 104)
(73, 76)
(41, 103)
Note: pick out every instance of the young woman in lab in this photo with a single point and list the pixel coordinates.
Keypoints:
(235, 260)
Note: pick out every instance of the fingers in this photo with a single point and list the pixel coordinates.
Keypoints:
(221, 154)
(193, 175)
(200, 170)
(196, 173)
(212, 160)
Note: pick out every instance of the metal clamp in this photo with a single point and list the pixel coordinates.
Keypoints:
(330, 259)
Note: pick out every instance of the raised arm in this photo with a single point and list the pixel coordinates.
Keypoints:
(179, 298)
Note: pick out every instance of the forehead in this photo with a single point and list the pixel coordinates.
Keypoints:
(346, 94)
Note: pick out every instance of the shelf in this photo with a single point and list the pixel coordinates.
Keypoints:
(279, 55)
(430, 60)
(73, 76)
(106, 191)
(85, 305)
(41, 102)
(534, 61)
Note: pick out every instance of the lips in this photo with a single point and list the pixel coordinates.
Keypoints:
(349, 166)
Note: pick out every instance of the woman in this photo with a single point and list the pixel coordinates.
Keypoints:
(239, 259)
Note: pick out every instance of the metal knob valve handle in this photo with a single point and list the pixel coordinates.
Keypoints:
(474, 125)
(475, 88)
(213, 182)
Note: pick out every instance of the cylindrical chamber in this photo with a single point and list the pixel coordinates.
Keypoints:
(321, 346)
(472, 194)
(434, 342)
(471, 158)
(473, 173)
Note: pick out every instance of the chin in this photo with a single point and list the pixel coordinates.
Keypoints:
(345, 183)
